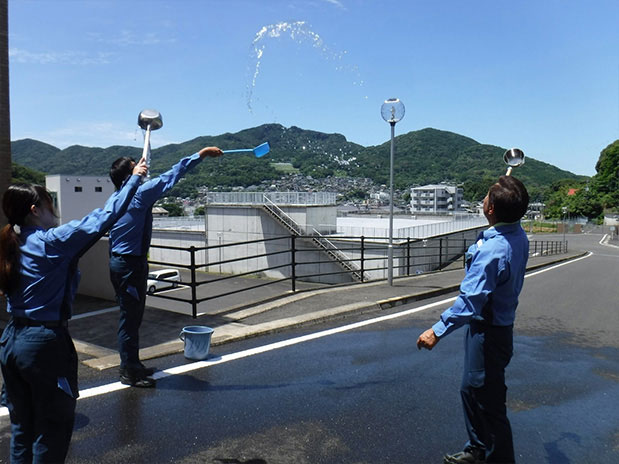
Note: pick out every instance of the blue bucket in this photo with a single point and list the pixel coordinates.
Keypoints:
(197, 340)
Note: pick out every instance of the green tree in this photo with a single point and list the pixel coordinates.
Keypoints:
(355, 194)
(476, 190)
(173, 209)
(606, 182)
(26, 175)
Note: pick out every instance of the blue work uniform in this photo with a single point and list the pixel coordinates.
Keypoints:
(129, 244)
(38, 359)
(495, 267)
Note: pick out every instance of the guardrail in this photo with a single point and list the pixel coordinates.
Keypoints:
(367, 256)
(279, 198)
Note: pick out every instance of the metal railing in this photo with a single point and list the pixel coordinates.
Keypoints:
(418, 231)
(547, 247)
(282, 216)
(366, 255)
(280, 198)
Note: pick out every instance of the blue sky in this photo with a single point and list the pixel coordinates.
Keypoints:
(541, 75)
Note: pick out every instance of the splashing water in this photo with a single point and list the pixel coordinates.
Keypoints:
(299, 32)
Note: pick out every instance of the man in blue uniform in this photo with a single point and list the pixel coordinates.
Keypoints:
(129, 244)
(495, 267)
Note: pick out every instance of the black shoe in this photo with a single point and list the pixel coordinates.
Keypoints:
(140, 370)
(148, 371)
(468, 456)
(136, 378)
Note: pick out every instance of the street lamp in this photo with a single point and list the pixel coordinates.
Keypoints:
(564, 209)
(392, 111)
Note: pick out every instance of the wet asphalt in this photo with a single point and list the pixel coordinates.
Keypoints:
(366, 395)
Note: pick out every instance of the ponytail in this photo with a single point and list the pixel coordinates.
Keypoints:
(16, 203)
(9, 258)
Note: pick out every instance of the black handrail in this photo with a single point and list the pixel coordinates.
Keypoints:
(435, 256)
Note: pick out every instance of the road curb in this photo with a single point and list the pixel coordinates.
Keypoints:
(236, 331)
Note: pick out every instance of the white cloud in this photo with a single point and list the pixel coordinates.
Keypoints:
(127, 38)
(336, 3)
(18, 55)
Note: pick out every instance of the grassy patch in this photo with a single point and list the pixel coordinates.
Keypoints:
(286, 168)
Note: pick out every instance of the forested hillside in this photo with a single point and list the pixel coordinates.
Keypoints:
(589, 197)
(424, 156)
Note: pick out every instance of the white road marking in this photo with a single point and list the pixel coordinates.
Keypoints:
(95, 313)
(116, 386)
(589, 254)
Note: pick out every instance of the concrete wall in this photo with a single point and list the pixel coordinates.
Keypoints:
(179, 239)
(229, 225)
(94, 268)
(322, 218)
(246, 219)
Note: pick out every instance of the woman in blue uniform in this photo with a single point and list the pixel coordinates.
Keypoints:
(39, 277)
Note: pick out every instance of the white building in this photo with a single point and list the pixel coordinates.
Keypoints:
(76, 196)
(436, 199)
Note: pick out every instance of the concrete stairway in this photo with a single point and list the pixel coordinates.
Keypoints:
(318, 240)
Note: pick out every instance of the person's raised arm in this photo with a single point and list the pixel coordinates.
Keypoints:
(154, 189)
(140, 169)
(77, 236)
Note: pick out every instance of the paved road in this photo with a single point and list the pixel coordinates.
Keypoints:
(364, 394)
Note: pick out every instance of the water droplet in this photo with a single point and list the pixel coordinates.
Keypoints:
(299, 32)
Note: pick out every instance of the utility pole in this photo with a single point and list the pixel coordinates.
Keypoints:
(5, 120)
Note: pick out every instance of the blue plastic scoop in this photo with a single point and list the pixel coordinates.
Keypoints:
(259, 151)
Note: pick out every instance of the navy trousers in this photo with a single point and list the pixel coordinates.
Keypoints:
(129, 275)
(488, 350)
(39, 366)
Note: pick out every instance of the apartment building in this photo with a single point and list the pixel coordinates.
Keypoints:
(436, 199)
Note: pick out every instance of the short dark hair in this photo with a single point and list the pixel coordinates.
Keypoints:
(120, 170)
(510, 199)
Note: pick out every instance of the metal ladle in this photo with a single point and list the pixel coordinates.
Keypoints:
(149, 120)
(513, 157)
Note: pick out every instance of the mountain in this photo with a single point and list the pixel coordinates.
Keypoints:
(21, 174)
(421, 157)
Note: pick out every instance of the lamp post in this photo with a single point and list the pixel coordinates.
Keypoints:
(392, 111)
(564, 210)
